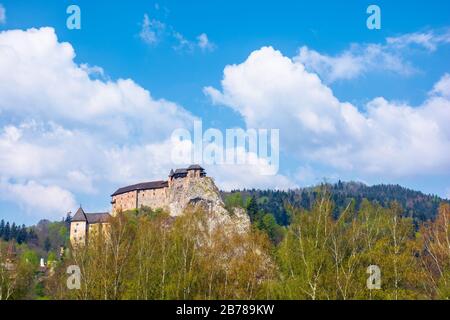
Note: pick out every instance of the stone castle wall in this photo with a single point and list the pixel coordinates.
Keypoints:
(78, 231)
(124, 202)
(96, 228)
(153, 198)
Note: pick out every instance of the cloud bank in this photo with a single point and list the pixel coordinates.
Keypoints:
(385, 138)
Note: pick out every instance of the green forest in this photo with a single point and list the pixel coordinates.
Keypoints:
(419, 206)
(320, 248)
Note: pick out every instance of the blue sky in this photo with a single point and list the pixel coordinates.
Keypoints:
(383, 88)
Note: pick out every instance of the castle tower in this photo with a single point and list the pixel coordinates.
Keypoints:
(195, 171)
(78, 227)
(83, 224)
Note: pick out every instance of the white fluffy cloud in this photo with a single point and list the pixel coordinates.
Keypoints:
(248, 176)
(273, 91)
(38, 200)
(429, 40)
(204, 43)
(42, 82)
(442, 88)
(354, 62)
(154, 31)
(363, 58)
(151, 30)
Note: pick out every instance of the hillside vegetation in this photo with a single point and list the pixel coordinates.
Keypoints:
(323, 251)
(415, 204)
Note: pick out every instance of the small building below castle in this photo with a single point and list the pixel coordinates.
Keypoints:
(83, 224)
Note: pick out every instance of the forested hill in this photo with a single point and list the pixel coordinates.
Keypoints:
(414, 203)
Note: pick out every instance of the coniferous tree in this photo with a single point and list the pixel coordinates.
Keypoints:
(252, 208)
(7, 232)
(47, 244)
(2, 228)
(13, 232)
(22, 235)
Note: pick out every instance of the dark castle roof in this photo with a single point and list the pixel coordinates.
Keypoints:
(79, 215)
(142, 186)
(179, 171)
(100, 217)
(158, 184)
(195, 167)
(184, 171)
(90, 218)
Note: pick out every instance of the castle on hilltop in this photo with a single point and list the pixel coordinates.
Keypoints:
(153, 194)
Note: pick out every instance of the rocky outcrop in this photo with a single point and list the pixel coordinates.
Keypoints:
(202, 194)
